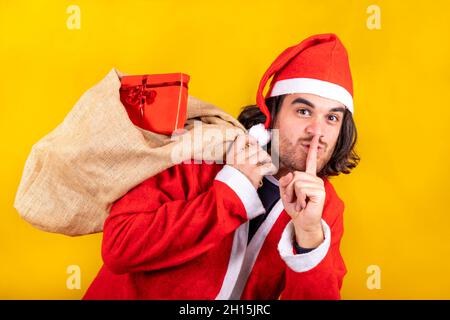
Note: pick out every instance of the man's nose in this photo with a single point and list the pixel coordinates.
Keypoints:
(315, 127)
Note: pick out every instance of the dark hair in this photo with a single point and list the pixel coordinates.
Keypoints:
(344, 157)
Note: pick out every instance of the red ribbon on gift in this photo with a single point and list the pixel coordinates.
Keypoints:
(140, 95)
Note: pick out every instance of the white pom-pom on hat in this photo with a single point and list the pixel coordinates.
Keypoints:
(260, 133)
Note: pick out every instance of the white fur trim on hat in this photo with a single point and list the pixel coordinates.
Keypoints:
(314, 86)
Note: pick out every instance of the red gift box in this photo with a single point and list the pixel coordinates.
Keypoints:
(156, 102)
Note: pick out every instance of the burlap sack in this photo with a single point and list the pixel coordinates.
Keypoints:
(75, 173)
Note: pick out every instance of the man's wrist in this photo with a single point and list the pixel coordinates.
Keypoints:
(300, 250)
(309, 239)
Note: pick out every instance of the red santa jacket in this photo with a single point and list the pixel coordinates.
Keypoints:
(182, 234)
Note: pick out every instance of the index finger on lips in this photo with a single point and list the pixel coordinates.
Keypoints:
(311, 160)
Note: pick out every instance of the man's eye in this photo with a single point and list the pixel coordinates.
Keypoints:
(333, 118)
(303, 112)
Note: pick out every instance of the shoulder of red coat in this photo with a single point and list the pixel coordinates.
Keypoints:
(201, 167)
(190, 170)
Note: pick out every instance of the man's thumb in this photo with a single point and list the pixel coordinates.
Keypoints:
(284, 181)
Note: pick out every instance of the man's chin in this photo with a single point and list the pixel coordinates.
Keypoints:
(291, 168)
(286, 169)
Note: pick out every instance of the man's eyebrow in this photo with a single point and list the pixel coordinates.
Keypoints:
(339, 109)
(309, 103)
(304, 101)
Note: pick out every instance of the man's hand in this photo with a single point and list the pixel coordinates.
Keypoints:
(246, 155)
(303, 197)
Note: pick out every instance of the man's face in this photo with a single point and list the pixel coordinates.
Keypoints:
(302, 116)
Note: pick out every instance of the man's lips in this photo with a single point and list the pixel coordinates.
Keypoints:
(306, 147)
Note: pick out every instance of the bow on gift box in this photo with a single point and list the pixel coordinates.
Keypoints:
(140, 95)
(156, 102)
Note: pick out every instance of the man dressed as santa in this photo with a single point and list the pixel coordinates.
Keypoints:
(247, 229)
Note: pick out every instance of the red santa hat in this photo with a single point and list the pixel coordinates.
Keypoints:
(317, 65)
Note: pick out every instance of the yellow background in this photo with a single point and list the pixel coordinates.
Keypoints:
(396, 215)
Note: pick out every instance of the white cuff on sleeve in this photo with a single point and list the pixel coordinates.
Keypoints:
(244, 189)
(305, 261)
